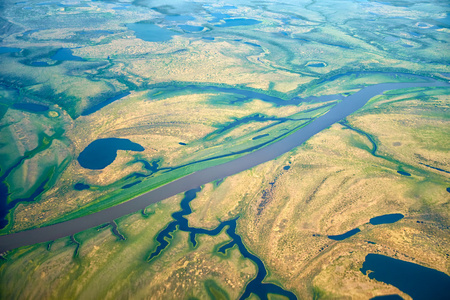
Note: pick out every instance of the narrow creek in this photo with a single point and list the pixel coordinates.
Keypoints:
(255, 286)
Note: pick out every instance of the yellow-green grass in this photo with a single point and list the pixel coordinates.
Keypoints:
(330, 188)
(158, 126)
(63, 269)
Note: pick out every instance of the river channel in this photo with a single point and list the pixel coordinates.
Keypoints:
(341, 110)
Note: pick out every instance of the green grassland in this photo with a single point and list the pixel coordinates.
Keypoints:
(105, 266)
(335, 182)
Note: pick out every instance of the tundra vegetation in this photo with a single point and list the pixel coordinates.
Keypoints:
(197, 84)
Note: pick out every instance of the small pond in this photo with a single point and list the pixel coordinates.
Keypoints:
(386, 219)
(403, 173)
(151, 32)
(316, 64)
(344, 236)
(191, 28)
(81, 186)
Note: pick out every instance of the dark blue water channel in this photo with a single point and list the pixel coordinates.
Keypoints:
(317, 65)
(31, 107)
(6, 206)
(415, 280)
(403, 173)
(102, 152)
(344, 236)
(256, 286)
(100, 105)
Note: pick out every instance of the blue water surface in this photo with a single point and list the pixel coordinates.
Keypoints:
(9, 50)
(344, 236)
(255, 286)
(191, 28)
(81, 186)
(102, 152)
(415, 280)
(65, 54)
(238, 22)
(386, 219)
(102, 104)
(151, 32)
(31, 107)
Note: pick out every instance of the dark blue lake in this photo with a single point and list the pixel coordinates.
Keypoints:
(317, 65)
(100, 105)
(403, 173)
(31, 107)
(386, 219)
(102, 152)
(415, 280)
(344, 236)
(238, 22)
(151, 32)
(191, 28)
(65, 54)
(9, 50)
(81, 186)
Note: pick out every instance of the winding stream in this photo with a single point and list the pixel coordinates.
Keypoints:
(255, 286)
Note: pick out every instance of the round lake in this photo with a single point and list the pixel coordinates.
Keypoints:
(102, 152)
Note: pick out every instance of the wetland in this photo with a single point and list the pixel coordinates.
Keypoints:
(152, 149)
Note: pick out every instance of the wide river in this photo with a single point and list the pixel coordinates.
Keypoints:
(341, 110)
